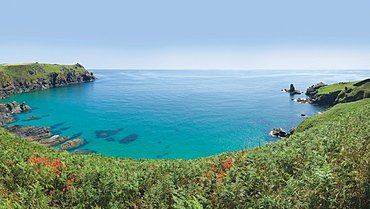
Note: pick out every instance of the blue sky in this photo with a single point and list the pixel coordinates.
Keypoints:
(179, 34)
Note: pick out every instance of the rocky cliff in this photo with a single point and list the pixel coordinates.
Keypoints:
(7, 111)
(322, 94)
(19, 78)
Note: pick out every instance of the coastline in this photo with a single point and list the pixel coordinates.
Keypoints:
(32, 77)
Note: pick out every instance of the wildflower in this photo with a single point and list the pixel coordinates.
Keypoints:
(51, 193)
(219, 175)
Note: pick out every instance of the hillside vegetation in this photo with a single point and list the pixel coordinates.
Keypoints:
(324, 164)
(322, 94)
(19, 78)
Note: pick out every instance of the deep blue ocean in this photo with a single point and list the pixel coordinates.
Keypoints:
(177, 113)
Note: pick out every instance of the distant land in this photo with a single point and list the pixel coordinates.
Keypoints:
(29, 77)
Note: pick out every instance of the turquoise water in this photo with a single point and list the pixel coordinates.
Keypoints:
(176, 113)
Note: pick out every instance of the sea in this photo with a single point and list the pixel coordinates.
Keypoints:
(176, 114)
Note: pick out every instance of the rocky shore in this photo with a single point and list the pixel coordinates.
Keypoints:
(40, 135)
(31, 133)
(20, 78)
(16, 79)
(7, 111)
(328, 95)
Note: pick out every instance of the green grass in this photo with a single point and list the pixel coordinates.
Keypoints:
(335, 87)
(31, 71)
(342, 92)
(336, 112)
(325, 164)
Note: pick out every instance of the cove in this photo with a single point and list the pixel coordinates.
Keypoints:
(176, 113)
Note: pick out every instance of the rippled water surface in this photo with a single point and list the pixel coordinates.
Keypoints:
(176, 113)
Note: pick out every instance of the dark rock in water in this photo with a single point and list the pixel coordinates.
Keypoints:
(278, 132)
(160, 156)
(128, 139)
(159, 142)
(109, 139)
(56, 132)
(76, 135)
(303, 115)
(83, 152)
(302, 100)
(7, 110)
(73, 144)
(33, 117)
(107, 133)
(31, 133)
(66, 128)
(56, 125)
(292, 90)
(291, 131)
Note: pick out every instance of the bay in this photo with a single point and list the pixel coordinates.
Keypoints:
(156, 114)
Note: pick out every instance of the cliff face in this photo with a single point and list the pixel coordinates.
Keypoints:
(343, 92)
(7, 111)
(16, 79)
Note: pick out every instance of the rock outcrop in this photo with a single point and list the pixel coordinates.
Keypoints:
(280, 133)
(16, 79)
(69, 145)
(31, 133)
(7, 111)
(292, 90)
(52, 141)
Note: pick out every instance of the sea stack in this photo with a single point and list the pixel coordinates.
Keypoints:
(292, 90)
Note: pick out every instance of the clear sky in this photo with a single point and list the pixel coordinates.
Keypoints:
(188, 34)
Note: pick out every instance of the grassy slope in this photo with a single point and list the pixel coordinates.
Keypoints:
(32, 71)
(347, 91)
(323, 165)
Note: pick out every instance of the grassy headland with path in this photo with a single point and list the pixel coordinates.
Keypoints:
(324, 164)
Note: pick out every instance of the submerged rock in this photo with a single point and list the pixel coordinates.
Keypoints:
(128, 139)
(33, 117)
(31, 133)
(75, 135)
(107, 133)
(57, 125)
